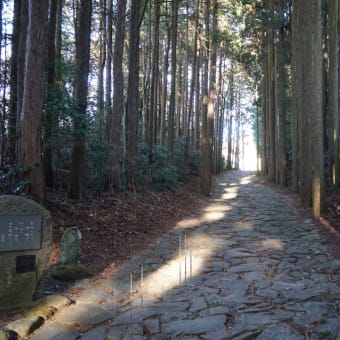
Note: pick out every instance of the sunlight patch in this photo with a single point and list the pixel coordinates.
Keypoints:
(213, 216)
(247, 179)
(229, 195)
(188, 263)
(218, 207)
(272, 243)
(244, 225)
(189, 223)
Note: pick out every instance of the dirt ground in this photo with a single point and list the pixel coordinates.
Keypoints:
(114, 227)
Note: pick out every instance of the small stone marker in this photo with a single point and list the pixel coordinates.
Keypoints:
(70, 246)
(25, 246)
(69, 268)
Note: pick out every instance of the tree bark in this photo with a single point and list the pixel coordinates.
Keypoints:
(33, 98)
(193, 80)
(230, 120)
(271, 97)
(172, 104)
(305, 152)
(83, 30)
(13, 114)
(316, 110)
(296, 86)
(108, 68)
(100, 119)
(264, 86)
(205, 174)
(118, 101)
(133, 97)
(333, 93)
(164, 89)
(280, 101)
(50, 116)
(152, 123)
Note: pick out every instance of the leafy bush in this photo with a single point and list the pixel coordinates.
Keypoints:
(194, 162)
(95, 159)
(186, 159)
(160, 174)
(12, 179)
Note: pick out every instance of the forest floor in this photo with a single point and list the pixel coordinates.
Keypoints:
(115, 227)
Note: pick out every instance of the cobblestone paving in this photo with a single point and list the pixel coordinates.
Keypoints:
(245, 268)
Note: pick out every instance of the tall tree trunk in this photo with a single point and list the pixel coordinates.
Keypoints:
(305, 171)
(101, 68)
(271, 98)
(198, 102)
(24, 22)
(212, 89)
(83, 30)
(316, 110)
(118, 101)
(230, 120)
(152, 125)
(204, 166)
(164, 88)
(264, 88)
(13, 114)
(296, 98)
(179, 92)
(193, 80)
(257, 129)
(50, 117)
(219, 120)
(280, 101)
(333, 93)
(108, 68)
(237, 139)
(133, 97)
(33, 98)
(172, 104)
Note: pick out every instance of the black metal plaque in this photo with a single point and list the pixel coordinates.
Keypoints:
(25, 264)
(20, 233)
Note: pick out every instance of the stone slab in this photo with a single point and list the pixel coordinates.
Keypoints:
(280, 332)
(193, 327)
(95, 333)
(84, 315)
(55, 331)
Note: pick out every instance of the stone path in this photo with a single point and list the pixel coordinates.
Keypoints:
(245, 268)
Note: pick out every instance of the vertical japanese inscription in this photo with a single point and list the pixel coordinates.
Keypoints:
(20, 233)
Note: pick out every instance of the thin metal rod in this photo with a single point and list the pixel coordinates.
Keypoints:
(142, 285)
(185, 257)
(131, 302)
(190, 263)
(180, 258)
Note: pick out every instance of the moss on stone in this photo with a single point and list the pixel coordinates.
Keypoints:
(6, 334)
(69, 272)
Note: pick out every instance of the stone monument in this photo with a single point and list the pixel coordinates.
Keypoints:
(69, 268)
(25, 246)
(70, 246)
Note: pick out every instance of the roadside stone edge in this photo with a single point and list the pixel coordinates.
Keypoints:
(35, 317)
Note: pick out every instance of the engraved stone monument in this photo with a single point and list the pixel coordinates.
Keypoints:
(25, 245)
(69, 268)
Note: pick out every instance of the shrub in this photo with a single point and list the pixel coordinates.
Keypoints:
(160, 174)
(12, 179)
